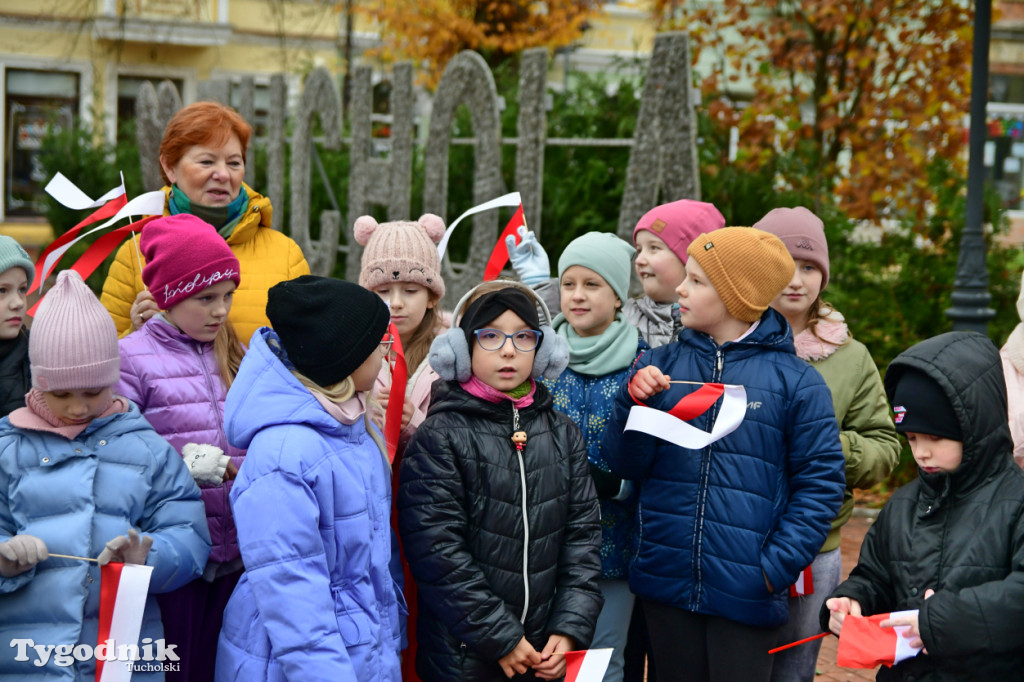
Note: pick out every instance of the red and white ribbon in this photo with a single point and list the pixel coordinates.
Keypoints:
(587, 666)
(511, 199)
(670, 426)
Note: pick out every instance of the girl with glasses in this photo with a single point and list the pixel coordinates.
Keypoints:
(497, 511)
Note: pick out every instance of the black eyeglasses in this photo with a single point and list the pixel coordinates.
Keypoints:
(494, 339)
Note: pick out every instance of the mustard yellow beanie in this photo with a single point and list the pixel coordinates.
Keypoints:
(747, 267)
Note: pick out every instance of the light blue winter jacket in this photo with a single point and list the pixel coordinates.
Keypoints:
(76, 495)
(312, 505)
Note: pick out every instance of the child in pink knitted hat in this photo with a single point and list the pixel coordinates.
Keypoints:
(83, 474)
(401, 265)
(661, 238)
(177, 368)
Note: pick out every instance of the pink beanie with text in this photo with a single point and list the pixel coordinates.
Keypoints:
(401, 251)
(73, 343)
(802, 232)
(184, 255)
(679, 222)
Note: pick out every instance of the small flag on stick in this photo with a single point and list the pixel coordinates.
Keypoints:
(499, 256)
(586, 666)
(864, 644)
(123, 591)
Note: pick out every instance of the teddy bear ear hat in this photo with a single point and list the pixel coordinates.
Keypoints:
(401, 251)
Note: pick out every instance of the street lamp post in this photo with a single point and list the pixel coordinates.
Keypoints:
(970, 310)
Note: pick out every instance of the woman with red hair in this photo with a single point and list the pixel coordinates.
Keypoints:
(202, 160)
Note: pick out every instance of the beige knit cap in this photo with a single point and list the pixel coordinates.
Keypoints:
(747, 267)
(401, 251)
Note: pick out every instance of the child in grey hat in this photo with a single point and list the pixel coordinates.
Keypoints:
(16, 274)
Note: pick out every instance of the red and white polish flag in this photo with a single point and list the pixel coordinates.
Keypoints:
(672, 426)
(123, 591)
(804, 584)
(587, 666)
(864, 644)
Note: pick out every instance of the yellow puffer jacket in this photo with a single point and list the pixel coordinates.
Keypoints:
(265, 255)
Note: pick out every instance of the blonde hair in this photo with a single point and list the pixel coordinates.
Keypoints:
(228, 352)
(340, 392)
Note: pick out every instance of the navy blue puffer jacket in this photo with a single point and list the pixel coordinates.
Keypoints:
(714, 523)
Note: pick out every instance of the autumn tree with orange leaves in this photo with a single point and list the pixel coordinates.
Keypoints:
(431, 32)
(866, 92)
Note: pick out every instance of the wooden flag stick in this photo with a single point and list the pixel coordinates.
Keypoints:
(798, 642)
(695, 383)
(68, 556)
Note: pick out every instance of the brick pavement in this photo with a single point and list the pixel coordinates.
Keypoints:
(852, 535)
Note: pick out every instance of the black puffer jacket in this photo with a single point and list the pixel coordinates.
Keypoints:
(960, 534)
(489, 567)
(15, 377)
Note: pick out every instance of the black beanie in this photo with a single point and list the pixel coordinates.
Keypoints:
(921, 406)
(491, 305)
(328, 327)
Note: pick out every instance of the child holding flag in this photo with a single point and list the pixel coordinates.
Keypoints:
(593, 274)
(16, 273)
(661, 237)
(727, 519)
(312, 502)
(948, 547)
(869, 441)
(401, 265)
(83, 474)
(497, 511)
(177, 368)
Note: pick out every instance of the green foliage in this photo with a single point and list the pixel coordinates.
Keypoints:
(93, 166)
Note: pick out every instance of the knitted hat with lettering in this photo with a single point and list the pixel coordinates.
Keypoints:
(679, 222)
(802, 232)
(184, 255)
(401, 251)
(13, 256)
(73, 344)
(747, 267)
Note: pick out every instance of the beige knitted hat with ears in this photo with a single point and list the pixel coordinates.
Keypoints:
(401, 251)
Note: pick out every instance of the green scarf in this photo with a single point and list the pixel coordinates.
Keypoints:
(612, 350)
(519, 391)
(224, 218)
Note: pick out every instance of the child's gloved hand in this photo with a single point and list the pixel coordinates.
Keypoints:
(207, 463)
(528, 258)
(127, 549)
(20, 554)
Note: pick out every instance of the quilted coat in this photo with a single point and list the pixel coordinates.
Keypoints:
(266, 257)
(76, 495)
(960, 534)
(175, 382)
(312, 504)
(501, 546)
(756, 504)
(587, 400)
(15, 378)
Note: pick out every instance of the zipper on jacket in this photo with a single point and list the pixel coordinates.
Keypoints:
(705, 471)
(209, 386)
(526, 521)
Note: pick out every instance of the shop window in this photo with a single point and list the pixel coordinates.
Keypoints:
(35, 101)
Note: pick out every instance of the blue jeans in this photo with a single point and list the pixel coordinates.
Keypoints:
(798, 664)
(613, 624)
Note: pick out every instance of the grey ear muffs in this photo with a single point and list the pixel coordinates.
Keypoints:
(450, 356)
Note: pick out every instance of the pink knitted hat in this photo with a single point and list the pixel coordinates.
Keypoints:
(677, 223)
(184, 255)
(73, 344)
(802, 232)
(401, 251)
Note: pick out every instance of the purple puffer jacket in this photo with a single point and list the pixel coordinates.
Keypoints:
(174, 381)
